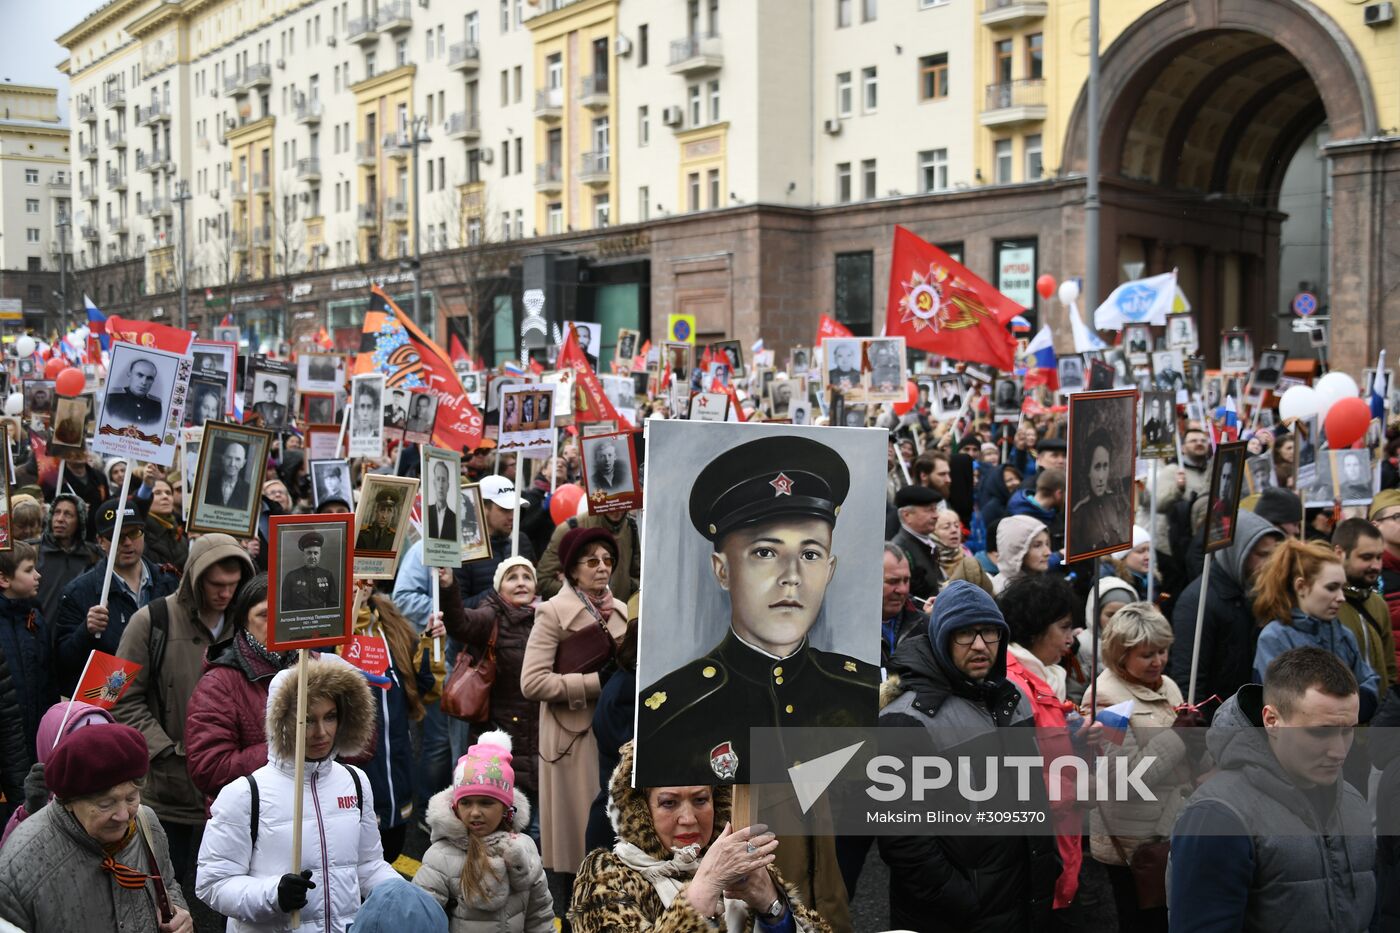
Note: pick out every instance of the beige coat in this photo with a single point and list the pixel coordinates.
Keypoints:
(568, 751)
(1169, 778)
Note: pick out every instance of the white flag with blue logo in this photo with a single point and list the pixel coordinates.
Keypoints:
(1141, 301)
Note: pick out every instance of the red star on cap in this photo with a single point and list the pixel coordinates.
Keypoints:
(782, 484)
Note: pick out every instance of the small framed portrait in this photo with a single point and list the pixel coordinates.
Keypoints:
(1137, 343)
(845, 366)
(1181, 333)
(1168, 371)
(1351, 476)
(330, 481)
(318, 408)
(26, 367)
(590, 338)
(206, 401)
(950, 394)
(322, 442)
(610, 473)
(320, 372)
(471, 385)
(678, 358)
(380, 521)
(272, 398)
(145, 394)
(190, 440)
(368, 418)
(719, 373)
(1102, 376)
(395, 412)
(1070, 370)
(800, 410)
(442, 507)
(228, 482)
(1195, 368)
(1270, 370)
(887, 369)
(476, 543)
(70, 427)
(627, 343)
(1006, 400)
(227, 334)
(800, 361)
(1100, 467)
(854, 416)
(730, 352)
(1115, 357)
(309, 581)
(1226, 481)
(38, 398)
(562, 382)
(1259, 473)
(217, 361)
(1158, 441)
(779, 393)
(643, 381)
(422, 415)
(1214, 389)
(1236, 352)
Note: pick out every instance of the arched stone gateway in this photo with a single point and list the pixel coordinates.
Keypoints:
(1203, 105)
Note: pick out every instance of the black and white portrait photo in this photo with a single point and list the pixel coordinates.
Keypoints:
(207, 362)
(799, 361)
(395, 410)
(1137, 343)
(1006, 400)
(206, 401)
(309, 580)
(38, 397)
(951, 396)
(1226, 483)
(886, 356)
(422, 413)
(318, 408)
(780, 396)
(1158, 426)
(1070, 370)
(844, 367)
(442, 507)
(272, 395)
(145, 392)
(137, 389)
(1259, 471)
(760, 557)
(1168, 371)
(1100, 470)
(1271, 363)
(618, 389)
(1351, 476)
(1181, 333)
(381, 516)
(731, 353)
(626, 346)
(493, 395)
(476, 544)
(800, 410)
(678, 358)
(607, 467)
(366, 415)
(320, 372)
(330, 481)
(1102, 375)
(471, 385)
(1236, 352)
(228, 484)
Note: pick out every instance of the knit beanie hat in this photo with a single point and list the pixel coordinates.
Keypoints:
(504, 567)
(1384, 499)
(92, 760)
(485, 770)
(1140, 537)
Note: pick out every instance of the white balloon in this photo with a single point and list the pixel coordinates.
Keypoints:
(1069, 291)
(24, 346)
(14, 404)
(1331, 389)
(1297, 402)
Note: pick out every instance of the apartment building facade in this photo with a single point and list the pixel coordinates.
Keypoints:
(35, 203)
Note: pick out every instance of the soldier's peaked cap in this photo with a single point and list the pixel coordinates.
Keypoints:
(311, 539)
(765, 479)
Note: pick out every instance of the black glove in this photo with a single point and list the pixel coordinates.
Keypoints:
(1191, 727)
(291, 891)
(36, 792)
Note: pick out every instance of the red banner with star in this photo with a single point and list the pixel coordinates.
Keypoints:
(936, 304)
(590, 402)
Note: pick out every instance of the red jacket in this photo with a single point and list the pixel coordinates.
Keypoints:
(1053, 738)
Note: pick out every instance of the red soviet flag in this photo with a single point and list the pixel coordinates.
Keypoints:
(104, 680)
(831, 328)
(590, 402)
(936, 304)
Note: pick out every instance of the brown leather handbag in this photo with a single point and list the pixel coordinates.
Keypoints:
(467, 693)
(586, 651)
(1149, 868)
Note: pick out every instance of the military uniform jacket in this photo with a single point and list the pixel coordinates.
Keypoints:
(686, 718)
(271, 412)
(309, 588)
(375, 538)
(138, 409)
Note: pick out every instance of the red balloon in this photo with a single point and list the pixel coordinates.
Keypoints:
(55, 366)
(911, 398)
(563, 505)
(1346, 422)
(1045, 285)
(70, 382)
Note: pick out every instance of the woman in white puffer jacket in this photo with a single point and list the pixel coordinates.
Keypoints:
(245, 869)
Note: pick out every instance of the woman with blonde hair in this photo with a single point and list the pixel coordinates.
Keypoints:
(1298, 593)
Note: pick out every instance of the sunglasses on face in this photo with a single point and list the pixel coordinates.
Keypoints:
(592, 562)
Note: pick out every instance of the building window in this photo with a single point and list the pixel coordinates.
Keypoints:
(933, 170)
(868, 10)
(31, 176)
(643, 126)
(472, 30)
(843, 182)
(642, 51)
(843, 94)
(400, 53)
(1001, 61)
(843, 13)
(1034, 164)
(712, 183)
(855, 291)
(692, 193)
(644, 203)
(31, 205)
(602, 210)
(31, 235)
(1035, 55)
(369, 64)
(694, 102)
(554, 72)
(474, 231)
(713, 89)
(519, 74)
(1003, 161)
(933, 77)
(867, 179)
(35, 264)
(505, 27)
(870, 89)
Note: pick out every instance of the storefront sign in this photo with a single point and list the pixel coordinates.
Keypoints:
(342, 283)
(1016, 271)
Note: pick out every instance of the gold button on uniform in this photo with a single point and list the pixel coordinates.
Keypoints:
(777, 672)
(708, 672)
(777, 680)
(789, 707)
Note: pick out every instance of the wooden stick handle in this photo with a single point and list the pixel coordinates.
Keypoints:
(299, 773)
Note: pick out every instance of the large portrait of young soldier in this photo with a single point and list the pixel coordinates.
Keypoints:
(756, 566)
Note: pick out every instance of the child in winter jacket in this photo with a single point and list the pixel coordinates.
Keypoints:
(481, 866)
(24, 649)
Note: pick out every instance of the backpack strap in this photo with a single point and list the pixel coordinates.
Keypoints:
(359, 791)
(155, 650)
(252, 808)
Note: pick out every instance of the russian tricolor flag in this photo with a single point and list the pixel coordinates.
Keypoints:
(1042, 350)
(1228, 421)
(97, 323)
(1114, 720)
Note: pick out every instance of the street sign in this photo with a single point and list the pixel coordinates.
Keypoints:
(1304, 304)
(1307, 325)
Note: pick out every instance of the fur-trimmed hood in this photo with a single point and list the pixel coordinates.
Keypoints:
(631, 816)
(330, 676)
(444, 826)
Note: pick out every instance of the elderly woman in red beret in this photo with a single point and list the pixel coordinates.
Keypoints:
(94, 859)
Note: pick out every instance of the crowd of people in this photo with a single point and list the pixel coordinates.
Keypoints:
(1267, 814)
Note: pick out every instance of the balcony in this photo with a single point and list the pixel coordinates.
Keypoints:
(257, 75)
(116, 138)
(116, 226)
(87, 192)
(89, 232)
(396, 210)
(394, 17)
(365, 154)
(463, 125)
(59, 182)
(238, 190)
(595, 168)
(87, 113)
(464, 56)
(366, 216)
(262, 237)
(159, 206)
(115, 98)
(695, 54)
(396, 145)
(549, 177)
(151, 113)
(309, 170)
(87, 152)
(1012, 12)
(1014, 102)
(549, 104)
(308, 112)
(593, 91)
(262, 182)
(361, 31)
(116, 180)
(233, 84)
(238, 241)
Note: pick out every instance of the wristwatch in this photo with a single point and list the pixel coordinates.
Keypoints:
(775, 911)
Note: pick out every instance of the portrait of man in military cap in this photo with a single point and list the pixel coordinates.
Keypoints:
(309, 578)
(272, 393)
(309, 586)
(760, 567)
(381, 518)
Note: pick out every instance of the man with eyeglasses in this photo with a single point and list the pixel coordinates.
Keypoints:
(1385, 515)
(953, 685)
(84, 624)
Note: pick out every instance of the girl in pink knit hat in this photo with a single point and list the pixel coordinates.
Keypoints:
(481, 866)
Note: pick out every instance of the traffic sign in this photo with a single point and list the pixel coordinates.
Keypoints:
(1304, 304)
